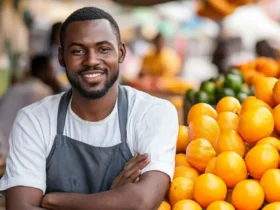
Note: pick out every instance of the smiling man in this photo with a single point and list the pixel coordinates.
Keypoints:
(99, 145)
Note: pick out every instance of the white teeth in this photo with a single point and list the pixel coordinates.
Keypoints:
(92, 75)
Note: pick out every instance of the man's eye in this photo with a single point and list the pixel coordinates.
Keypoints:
(104, 50)
(78, 52)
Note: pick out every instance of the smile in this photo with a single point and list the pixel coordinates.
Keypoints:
(92, 75)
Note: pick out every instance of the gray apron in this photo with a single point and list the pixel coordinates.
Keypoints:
(77, 167)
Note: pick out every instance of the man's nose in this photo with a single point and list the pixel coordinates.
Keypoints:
(91, 59)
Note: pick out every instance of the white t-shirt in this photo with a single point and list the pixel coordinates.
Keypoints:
(152, 128)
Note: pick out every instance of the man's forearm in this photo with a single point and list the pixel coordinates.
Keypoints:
(122, 198)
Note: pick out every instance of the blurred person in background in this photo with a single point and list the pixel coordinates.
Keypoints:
(54, 44)
(160, 60)
(264, 49)
(38, 83)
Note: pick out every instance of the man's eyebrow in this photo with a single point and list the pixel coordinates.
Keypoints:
(76, 44)
(104, 42)
(82, 45)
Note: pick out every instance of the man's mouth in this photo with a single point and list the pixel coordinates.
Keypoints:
(90, 75)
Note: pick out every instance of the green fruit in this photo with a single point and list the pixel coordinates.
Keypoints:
(190, 95)
(237, 72)
(201, 97)
(209, 87)
(241, 96)
(233, 82)
(224, 92)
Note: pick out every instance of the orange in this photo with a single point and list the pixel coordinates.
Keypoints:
(231, 168)
(227, 121)
(276, 92)
(210, 167)
(209, 188)
(201, 109)
(270, 183)
(181, 160)
(199, 152)
(264, 90)
(261, 158)
(267, 66)
(185, 171)
(255, 124)
(276, 114)
(228, 104)
(270, 140)
(220, 205)
(204, 127)
(164, 206)
(230, 140)
(186, 205)
(247, 194)
(272, 206)
(182, 139)
(181, 188)
(252, 102)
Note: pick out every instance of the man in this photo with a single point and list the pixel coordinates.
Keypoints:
(80, 149)
(39, 83)
(160, 60)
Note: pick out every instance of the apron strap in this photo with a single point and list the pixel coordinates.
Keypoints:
(122, 112)
(62, 111)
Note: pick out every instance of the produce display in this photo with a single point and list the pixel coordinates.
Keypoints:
(214, 89)
(228, 155)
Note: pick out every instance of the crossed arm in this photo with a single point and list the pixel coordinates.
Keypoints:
(146, 194)
(128, 192)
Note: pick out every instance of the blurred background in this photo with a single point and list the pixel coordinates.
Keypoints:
(178, 50)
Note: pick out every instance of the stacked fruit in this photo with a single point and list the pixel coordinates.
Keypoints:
(214, 89)
(228, 157)
(259, 67)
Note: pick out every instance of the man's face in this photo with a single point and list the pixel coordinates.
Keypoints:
(91, 57)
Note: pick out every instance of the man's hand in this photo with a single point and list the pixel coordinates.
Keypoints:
(132, 171)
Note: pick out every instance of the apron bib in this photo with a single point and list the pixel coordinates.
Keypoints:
(77, 167)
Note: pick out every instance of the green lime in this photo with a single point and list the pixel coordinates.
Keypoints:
(201, 97)
(237, 72)
(190, 95)
(233, 82)
(223, 93)
(209, 87)
(241, 96)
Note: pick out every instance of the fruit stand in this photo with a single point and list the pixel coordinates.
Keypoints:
(228, 150)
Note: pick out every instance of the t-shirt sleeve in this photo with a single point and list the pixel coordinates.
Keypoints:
(156, 135)
(26, 160)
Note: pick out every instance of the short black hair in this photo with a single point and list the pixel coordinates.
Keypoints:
(89, 13)
(39, 63)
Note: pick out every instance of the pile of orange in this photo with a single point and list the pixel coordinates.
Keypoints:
(262, 66)
(228, 156)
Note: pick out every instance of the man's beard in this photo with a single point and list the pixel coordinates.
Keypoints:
(92, 94)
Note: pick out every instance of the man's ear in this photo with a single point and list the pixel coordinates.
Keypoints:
(61, 57)
(122, 52)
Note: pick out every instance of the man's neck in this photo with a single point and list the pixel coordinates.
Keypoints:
(97, 109)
